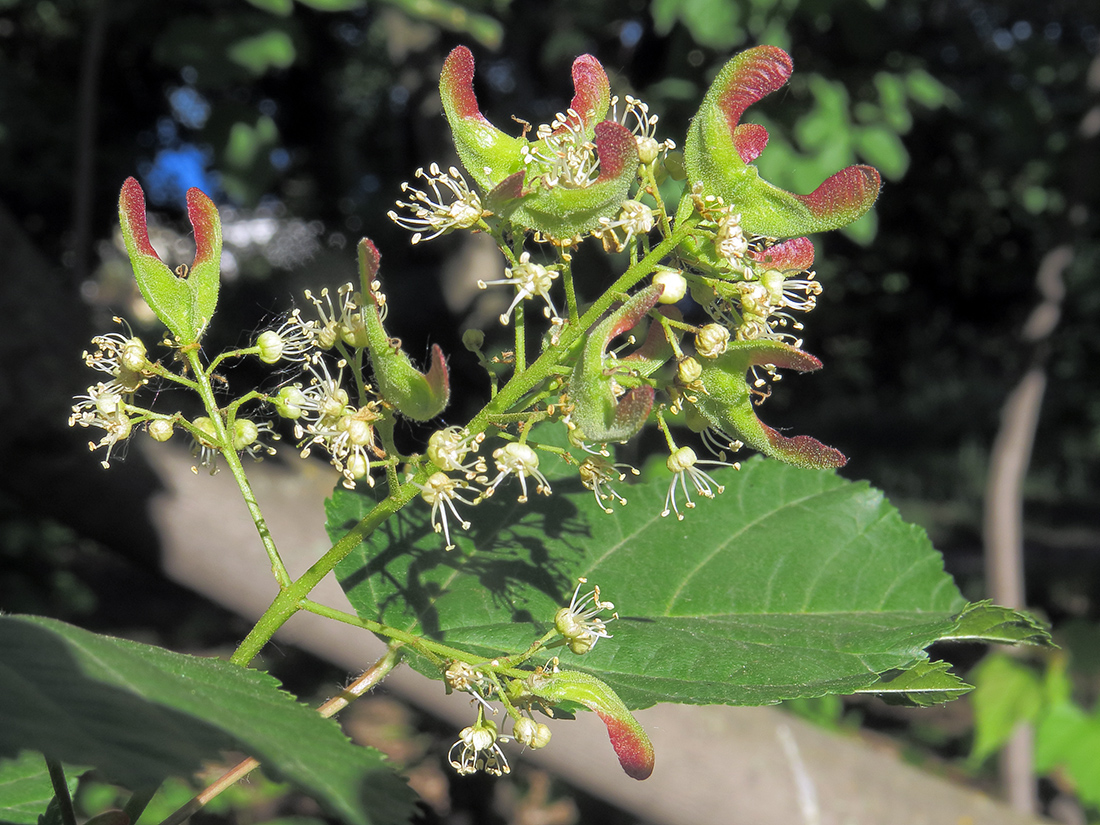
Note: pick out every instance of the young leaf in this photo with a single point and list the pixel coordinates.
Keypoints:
(923, 685)
(791, 583)
(140, 713)
(986, 622)
(25, 788)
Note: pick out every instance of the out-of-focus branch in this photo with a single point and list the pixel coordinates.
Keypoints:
(1003, 518)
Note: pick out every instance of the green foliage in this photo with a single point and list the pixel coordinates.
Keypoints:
(26, 789)
(927, 683)
(1067, 735)
(791, 583)
(140, 713)
(987, 622)
(272, 49)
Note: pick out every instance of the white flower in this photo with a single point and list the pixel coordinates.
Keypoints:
(562, 156)
(643, 125)
(103, 407)
(529, 280)
(479, 750)
(520, 459)
(293, 340)
(441, 491)
(579, 624)
(451, 205)
(635, 220)
(683, 464)
(448, 448)
(123, 358)
(597, 473)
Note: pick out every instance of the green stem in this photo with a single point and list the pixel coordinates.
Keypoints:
(521, 339)
(437, 652)
(233, 461)
(570, 291)
(237, 353)
(290, 598)
(61, 791)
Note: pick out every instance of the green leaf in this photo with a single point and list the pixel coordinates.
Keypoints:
(925, 684)
(1007, 692)
(1068, 737)
(25, 788)
(986, 622)
(883, 148)
(791, 583)
(140, 713)
(272, 49)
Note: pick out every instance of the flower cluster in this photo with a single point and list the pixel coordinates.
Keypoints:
(478, 746)
(703, 316)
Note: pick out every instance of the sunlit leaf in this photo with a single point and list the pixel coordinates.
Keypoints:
(790, 583)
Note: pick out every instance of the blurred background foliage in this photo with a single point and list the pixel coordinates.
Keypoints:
(302, 117)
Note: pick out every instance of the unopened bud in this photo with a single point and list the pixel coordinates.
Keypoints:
(244, 433)
(533, 734)
(160, 430)
(271, 346)
(675, 285)
(688, 371)
(712, 340)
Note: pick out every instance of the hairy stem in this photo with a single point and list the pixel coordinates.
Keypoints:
(233, 460)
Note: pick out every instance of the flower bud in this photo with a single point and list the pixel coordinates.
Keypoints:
(473, 340)
(206, 427)
(533, 734)
(132, 356)
(245, 432)
(688, 371)
(271, 346)
(288, 402)
(711, 341)
(160, 430)
(675, 286)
